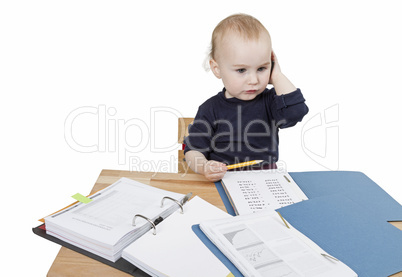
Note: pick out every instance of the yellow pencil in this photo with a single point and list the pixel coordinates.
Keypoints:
(244, 164)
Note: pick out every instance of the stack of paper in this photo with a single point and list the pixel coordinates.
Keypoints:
(104, 226)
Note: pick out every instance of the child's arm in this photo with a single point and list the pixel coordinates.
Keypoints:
(212, 170)
(281, 83)
(288, 104)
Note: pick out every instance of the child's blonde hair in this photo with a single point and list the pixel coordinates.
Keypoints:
(242, 24)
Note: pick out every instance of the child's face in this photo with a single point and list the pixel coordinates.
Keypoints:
(243, 65)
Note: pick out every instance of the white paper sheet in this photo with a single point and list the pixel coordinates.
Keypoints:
(176, 250)
(251, 191)
(260, 244)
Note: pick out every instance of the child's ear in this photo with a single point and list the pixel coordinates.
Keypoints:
(215, 68)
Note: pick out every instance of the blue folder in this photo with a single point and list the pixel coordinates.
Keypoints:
(355, 185)
(346, 215)
(346, 230)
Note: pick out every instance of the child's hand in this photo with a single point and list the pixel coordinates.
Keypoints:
(281, 83)
(214, 171)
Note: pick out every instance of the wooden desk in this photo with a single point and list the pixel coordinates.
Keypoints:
(70, 263)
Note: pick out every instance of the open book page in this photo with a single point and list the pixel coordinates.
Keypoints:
(175, 250)
(260, 244)
(107, 220)
(251, 191)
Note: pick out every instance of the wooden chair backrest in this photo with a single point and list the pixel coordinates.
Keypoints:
(184, 122)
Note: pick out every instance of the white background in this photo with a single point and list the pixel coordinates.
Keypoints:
(127, 57)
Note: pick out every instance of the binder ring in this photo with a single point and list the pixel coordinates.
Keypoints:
(146, 218)
(177, 202)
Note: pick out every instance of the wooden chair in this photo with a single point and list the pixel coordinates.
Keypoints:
(184, 122)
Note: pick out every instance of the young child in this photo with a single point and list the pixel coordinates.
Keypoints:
(241, 122)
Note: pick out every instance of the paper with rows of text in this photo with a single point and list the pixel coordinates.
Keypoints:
(252, 191)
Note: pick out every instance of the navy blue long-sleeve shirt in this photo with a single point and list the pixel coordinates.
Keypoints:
(231, 130)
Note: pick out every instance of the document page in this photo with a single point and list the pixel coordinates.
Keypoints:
(251, 191)
(176, 250)
(260, 244)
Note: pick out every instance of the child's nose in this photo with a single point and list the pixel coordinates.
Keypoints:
(252, 79)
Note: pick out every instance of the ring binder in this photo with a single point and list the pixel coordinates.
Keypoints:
(160, 219)
(146, 218)
(177, 202)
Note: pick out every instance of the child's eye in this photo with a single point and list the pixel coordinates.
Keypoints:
(262, 68)
(241, 70)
